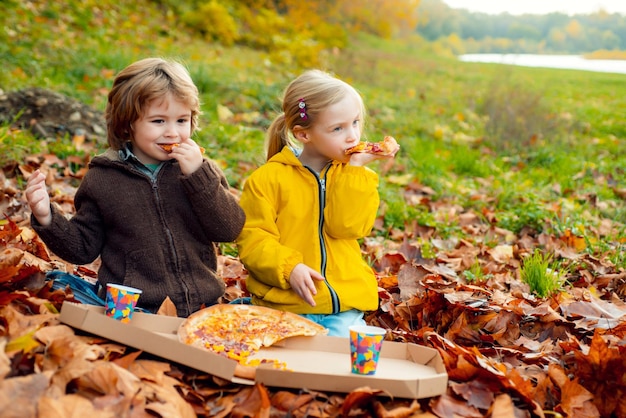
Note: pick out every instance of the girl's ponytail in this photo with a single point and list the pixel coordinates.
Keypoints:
(277, 136)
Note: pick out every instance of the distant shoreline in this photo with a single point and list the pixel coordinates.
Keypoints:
(571, 62)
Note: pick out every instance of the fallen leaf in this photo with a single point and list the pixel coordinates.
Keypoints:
(167, 308)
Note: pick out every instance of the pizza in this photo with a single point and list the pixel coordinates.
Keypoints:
(387, 146)
(237, 331)
(170, 147)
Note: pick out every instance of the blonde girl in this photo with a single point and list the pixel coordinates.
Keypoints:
(309, 204)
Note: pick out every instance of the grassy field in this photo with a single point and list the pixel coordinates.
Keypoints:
(528, 148)
(509, 180)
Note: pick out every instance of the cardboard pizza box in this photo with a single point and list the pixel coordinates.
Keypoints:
(154, 334)
(405, 370)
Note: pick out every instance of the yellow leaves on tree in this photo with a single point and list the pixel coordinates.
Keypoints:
(385, 18)
(574, 29)
(295, 30)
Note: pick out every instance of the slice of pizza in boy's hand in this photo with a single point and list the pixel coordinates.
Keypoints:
(388, 146)
(170, 147)
(237, 331)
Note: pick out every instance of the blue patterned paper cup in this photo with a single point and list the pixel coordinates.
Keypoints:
(365, 344)
(121, 301)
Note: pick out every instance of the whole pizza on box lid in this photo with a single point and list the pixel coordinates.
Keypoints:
(237, 331)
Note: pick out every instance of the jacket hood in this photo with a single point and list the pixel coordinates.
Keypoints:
(289, 156)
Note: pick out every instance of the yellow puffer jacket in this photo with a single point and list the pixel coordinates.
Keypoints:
(285, 226)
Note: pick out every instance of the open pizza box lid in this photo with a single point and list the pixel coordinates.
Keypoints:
(405, 370)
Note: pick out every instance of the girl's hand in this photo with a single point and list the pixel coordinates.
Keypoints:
(38, 198)
(362, 158)
(189, 156)
(301, 281)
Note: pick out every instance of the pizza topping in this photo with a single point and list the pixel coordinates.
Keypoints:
(239, 331)
(387, 146)
(168, 147)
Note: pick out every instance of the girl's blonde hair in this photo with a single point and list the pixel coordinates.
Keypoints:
(318, 90)
(140, 83)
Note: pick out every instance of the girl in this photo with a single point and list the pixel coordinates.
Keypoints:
(307, 207)
(153, 217)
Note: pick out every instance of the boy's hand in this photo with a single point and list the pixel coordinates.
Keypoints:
(38, 198)
(189, 156)
(301, 281)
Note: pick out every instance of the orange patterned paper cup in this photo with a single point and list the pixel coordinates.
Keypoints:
(365, 344)
(121, 301)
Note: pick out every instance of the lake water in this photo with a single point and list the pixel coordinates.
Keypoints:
(572, 62)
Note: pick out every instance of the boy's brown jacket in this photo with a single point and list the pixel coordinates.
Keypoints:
(157, 235)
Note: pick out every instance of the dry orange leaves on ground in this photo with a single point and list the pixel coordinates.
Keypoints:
(507, 352)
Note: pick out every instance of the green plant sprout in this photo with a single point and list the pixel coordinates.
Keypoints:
(542, 274)
(475, 274)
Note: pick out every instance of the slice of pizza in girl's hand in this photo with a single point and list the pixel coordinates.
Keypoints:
(387, 146)
(237, 331)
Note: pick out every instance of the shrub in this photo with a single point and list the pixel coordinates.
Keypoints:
(517, 116)
(214, 22)
(263, 21)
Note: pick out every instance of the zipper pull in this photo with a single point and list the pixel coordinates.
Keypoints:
(323, 184)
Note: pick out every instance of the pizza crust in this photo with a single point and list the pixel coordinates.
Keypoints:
(245, 372)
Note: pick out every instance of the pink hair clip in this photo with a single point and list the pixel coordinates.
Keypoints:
(302, 106)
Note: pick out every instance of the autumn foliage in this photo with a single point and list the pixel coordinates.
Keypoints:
(449, 252)
(294, 30)
(507, 351)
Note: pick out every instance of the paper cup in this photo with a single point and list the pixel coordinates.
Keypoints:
(121, 301)
(365, 344)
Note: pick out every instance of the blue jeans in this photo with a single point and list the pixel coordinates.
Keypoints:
(338, 324)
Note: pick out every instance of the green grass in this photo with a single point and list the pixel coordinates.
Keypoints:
(536, 146)
(475, 274)
(542, 274)
(16, 144)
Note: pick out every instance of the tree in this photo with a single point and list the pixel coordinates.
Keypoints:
(523, 31)
(529, 33)
(386, 18)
